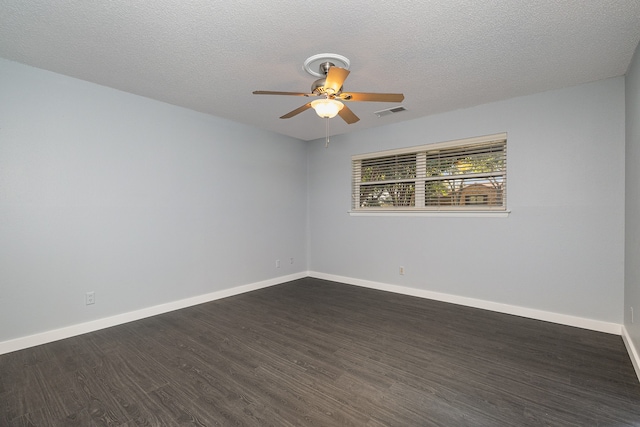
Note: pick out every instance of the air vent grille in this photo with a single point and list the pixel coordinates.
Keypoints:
(388, 111)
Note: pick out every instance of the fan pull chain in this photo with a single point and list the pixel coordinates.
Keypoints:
(326, 144)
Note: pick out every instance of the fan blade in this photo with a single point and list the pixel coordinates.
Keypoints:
(372, 97)
(297, 111)
(348, 115)
(269, 92)
(335, 78)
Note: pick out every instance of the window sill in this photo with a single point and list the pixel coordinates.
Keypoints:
(446, 214)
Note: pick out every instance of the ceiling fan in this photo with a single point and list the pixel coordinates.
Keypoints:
(329, 89)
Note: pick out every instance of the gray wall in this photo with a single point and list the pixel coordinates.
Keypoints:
(632, 229)
(140, 201)
(560, 250)
(146, 203)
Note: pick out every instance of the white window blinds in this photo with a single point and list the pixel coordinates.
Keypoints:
(463, 175)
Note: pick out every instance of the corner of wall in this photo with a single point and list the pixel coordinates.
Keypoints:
(631, 349)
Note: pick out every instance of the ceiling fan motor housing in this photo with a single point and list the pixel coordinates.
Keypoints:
(318, 86)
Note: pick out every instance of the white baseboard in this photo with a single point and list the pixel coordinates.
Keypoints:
(563, 319)
(631, 349)
(94, 325)
(107, 322)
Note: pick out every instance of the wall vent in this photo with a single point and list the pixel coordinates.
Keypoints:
(390, 111)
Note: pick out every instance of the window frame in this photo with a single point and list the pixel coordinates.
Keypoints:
(419, 208)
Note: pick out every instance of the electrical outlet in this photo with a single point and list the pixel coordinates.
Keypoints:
(290, 260)
(402, 271)
(277, 263)
(90, 298)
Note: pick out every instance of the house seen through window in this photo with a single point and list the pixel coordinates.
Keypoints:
(463, 175)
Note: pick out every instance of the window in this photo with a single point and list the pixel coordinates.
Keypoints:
(454, 176)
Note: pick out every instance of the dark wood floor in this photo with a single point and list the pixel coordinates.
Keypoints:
(318, 353)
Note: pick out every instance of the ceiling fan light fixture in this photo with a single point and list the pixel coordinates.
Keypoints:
(327, 108)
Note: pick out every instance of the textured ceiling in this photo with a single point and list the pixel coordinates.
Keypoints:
(210, 55)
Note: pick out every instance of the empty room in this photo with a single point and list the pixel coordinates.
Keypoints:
(277, 213)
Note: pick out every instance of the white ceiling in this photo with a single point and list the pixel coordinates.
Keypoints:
(210, 55)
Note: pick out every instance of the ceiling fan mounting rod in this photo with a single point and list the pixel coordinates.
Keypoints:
(324, 67)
